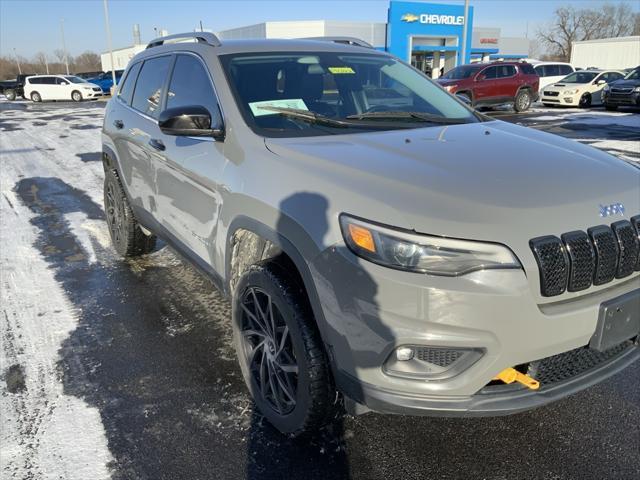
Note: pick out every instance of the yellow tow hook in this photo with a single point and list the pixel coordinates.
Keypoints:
(510, 375)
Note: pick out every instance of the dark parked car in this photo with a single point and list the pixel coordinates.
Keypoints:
(494, 83)
(623, 92)
(14, 88)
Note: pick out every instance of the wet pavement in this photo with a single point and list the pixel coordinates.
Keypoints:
(150, 350)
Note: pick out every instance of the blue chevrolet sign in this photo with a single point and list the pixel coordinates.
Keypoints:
(427, 27)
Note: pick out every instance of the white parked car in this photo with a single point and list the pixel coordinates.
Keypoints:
(582, 88)
(551, 72)
(60, 87)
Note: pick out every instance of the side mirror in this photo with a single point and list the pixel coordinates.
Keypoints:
(600, 82)
(480, 77)
(189, 121)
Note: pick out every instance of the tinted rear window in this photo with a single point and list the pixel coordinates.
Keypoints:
(148, 91)
(126, 87)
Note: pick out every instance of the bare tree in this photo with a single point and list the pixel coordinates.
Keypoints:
(572, 25)
(87, 62)
(40, 59)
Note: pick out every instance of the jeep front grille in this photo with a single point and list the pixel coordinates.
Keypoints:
(580, 259)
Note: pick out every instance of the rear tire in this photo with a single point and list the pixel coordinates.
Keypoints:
(10, 94)
(285, 368)
(522, 102)
(76, 96)
(35, 97)
(126, 235)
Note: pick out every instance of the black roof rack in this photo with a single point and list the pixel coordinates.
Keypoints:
(344, 40)
(200, 37)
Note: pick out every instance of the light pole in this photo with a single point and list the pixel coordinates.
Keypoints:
(463, 50)
(64, 46)
(17, 61)
(108, 28)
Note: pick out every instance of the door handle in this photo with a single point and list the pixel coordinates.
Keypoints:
(157, 144)
(118, 124)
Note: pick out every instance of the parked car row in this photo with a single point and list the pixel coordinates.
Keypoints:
(521, 83)
(60, 87)
(89, 85)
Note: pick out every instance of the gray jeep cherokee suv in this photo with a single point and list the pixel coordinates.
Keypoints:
(377, 237)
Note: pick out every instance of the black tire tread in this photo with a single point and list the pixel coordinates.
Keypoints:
(515, 102)
(321, 386)
(137, 242)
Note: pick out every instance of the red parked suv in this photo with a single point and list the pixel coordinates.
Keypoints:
(494, 83)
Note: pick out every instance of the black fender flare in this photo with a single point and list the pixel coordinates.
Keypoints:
(278, 239)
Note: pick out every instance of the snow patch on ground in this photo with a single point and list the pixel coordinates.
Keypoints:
(45, 433)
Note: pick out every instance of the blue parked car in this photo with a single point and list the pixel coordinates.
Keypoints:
(105, 80)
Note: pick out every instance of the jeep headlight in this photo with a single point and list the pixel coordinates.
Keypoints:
(637, 89)
(422, 253)
(570, 92)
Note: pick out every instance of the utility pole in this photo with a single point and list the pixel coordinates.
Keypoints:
(46, 63)
(201, 29)
(17, 61)
(108, 28)
(64, 46)
(463, 51)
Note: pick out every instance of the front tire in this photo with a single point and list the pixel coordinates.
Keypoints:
(10, 94)
(522, 101)
(585, 101)
(126, 235)
(35, 97)
(76, 96)
(280, 351)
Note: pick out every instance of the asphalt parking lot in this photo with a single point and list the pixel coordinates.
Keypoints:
(125, 369)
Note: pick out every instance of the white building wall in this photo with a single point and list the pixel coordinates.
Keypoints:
(121, 57)
(311, 28)
(250, 31)
(616, 53)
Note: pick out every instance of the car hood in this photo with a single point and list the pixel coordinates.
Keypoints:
(625, 83)
(486, 181)
(564, 86)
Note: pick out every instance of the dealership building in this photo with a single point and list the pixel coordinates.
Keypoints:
(429, 35)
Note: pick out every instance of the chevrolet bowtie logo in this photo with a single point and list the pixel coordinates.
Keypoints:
(409, 18)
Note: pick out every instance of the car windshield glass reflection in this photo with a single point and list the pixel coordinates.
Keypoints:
(579, 77)
(322, 93)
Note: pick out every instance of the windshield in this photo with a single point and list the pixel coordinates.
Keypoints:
(633, 75)
(458, 73)
(74, 79)
(324, 93)
(579, 77)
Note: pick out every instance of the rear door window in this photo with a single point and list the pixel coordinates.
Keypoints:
(147, 95)
(504, 71)
(126, 88)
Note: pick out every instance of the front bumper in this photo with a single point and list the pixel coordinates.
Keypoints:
(622, 99)
(92, 93)
(370, 310)
(560, 99)
(493, 400)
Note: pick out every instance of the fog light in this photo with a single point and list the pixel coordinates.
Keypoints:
(430, 362)
(404, 354)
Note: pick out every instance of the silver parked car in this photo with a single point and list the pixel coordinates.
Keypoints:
(377, 237)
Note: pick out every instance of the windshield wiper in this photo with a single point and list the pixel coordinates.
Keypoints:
(309, 116)
(402, 115)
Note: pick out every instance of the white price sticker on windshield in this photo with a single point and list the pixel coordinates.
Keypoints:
(258, 108)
